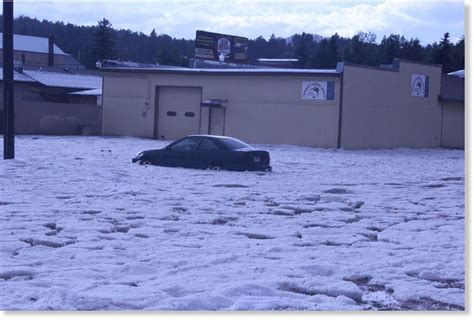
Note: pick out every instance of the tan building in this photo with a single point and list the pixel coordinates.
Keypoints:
(381, 111)
(258, 107)
(39, 52)
(349, 107)
(55, 102)
(452, 104)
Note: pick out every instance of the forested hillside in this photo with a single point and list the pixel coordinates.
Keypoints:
(91, 43)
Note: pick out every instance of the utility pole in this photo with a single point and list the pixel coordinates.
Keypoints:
(8, 100)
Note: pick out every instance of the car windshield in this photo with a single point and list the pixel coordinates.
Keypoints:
(235, 144)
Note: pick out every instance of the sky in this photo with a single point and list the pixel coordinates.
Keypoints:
(425, 20)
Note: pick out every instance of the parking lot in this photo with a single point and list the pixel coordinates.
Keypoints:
(85, 229)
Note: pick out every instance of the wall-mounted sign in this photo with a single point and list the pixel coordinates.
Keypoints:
(318, 90)
(419, 85)
(211, 45)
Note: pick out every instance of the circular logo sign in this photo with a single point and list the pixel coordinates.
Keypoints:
(223, 46)
(314, 91)
(417, 88)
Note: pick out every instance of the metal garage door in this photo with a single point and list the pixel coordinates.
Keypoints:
(178, 112)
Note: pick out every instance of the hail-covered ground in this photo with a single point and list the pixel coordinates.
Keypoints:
(82, 228)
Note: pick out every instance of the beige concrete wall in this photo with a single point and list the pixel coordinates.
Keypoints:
(30, 110)
(28, 115)
(283, 123)
(379, 111)
(261, 109)
(127, 106)
(453, 125)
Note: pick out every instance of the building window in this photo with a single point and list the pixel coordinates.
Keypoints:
(171, 114)
(189, 114)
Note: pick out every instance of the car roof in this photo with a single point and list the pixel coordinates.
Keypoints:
(209, 136)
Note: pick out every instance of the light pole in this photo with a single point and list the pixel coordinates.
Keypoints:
(8, 107)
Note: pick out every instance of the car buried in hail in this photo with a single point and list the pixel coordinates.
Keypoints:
(207, 152)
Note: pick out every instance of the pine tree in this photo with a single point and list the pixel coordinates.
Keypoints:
(442, 53)
(273, 50)
(303, 48)
(412, 50)
(362, 49)
(457, 56)
(327, 53)
(171, 56)
(103, 46)
(390, 48)
(152, 46)
(90, 43)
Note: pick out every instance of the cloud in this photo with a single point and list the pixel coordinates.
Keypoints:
(422, 19)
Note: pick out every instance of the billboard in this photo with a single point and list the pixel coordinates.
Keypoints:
(211, 45)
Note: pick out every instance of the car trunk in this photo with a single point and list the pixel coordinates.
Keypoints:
(260, 158)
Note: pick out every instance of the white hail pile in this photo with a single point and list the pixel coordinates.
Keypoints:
(85, 229)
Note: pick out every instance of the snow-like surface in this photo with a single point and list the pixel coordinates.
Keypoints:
(64, 80)
(230, 71)
(16, 77)
(31, 44)
(277, 60)
(84, 228)
(459, 73)
(92, 92)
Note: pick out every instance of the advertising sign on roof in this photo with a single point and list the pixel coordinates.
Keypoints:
(211, 45)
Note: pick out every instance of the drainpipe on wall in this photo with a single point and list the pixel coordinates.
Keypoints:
(442, 115)
(340, 68)
(209, 119)
(156, 113)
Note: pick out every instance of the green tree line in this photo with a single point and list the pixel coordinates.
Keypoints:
(89, 44)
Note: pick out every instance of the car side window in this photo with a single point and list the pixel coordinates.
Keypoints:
(187, 144)
(208, 145)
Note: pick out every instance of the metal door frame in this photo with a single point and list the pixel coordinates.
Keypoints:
(210, 118)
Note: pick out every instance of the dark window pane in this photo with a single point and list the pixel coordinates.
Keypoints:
(171, 114)
(208, 145)
(187, 144)
(189, 114)
(235, 144)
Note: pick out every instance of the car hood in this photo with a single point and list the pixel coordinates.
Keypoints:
(150, 152)
(246, 149)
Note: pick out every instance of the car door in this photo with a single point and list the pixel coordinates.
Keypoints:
(182, 153)
(210, 152)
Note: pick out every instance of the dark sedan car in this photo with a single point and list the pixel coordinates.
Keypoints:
(207, 152)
